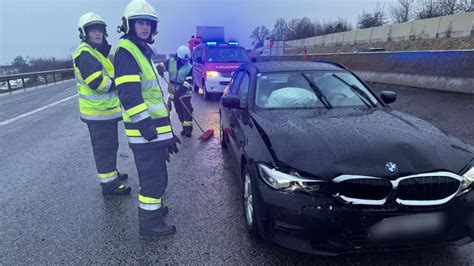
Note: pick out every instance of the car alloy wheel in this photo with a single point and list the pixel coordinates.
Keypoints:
(249, 206)
(207, 95)
(248, 199)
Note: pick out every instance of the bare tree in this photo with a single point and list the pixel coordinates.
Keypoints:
(292, 33)
(374, 19)
(437, 8)
(449, 7)
(259, 34)
(305, 28)
(280, 29)
(402, 11)
(427, 9)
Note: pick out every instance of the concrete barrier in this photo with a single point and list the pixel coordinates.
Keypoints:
(338, 38)
(318, 40)
(426, 28)
(349, 37)
(456, 25)
(460, 25)
(380, 34)
(401, 31)
(363, 35)
(451, 71)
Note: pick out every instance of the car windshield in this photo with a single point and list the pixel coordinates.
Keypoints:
(316, 89)
(226, 54)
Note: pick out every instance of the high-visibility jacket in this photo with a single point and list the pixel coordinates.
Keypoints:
(97, 104)
(149, 103)
(183, 76)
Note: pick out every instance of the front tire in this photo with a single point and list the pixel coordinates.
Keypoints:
(207, 95)
(249, 205)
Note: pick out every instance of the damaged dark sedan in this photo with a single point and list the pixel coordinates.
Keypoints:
(327, 167)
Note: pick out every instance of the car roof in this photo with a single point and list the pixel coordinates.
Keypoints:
(276, 66)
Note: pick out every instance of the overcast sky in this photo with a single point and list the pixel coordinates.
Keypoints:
(46, 28)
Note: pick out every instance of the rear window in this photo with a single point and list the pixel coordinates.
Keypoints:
(226, 54)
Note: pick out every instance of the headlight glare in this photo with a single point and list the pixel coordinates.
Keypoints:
(212, 74)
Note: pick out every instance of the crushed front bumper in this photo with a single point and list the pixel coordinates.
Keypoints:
(325, 225)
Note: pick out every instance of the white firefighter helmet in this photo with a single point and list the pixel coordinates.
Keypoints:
(138, 9)
(183, 52)
(89, 19)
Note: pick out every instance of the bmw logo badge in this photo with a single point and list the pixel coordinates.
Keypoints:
(391, 167)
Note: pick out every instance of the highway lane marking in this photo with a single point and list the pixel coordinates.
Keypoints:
(30, 92)
(37, 110)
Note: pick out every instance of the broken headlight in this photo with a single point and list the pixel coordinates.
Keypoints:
(287, 180)
(468, 178)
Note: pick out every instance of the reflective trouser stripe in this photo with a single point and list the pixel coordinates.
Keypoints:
(149, 207)
(140, 140)
(127, 78)
(148, 203)
(187, 123)
(136, 132)
(107, 177)
(99, 97)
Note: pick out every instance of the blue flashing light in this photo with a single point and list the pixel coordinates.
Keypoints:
(211, 43)
(233, 43)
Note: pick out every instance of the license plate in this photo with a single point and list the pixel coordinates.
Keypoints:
(407, 227)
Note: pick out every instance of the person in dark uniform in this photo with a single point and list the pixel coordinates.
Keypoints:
(180, 90)
(146, 118)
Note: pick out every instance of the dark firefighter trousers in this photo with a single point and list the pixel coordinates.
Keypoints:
(152, 173)
(104, 139)
(183, 115)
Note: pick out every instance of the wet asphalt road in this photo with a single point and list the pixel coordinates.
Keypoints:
(52, 211)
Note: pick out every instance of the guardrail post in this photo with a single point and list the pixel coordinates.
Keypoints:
(23, 82)
(46, 79)
(9, 85)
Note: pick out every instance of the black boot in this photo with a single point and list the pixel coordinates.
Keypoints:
(188, 134)
(117, 187)
(151, 223)
(182, 133)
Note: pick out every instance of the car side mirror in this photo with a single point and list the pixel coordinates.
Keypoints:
(231, 101)
(254, 60)
(388, 96)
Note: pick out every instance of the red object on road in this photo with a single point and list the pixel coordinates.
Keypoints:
(207, 135)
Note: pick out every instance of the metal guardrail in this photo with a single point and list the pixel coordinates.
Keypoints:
(34, 79)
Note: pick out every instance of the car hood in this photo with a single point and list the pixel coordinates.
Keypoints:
(351, 141)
